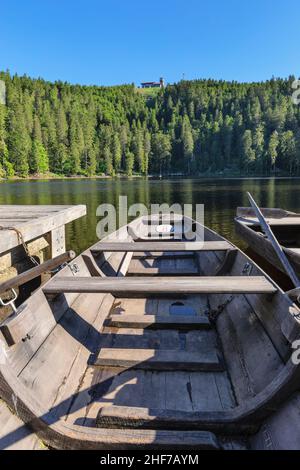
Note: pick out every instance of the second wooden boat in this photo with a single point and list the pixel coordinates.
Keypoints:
(285, 226)
(165, 344)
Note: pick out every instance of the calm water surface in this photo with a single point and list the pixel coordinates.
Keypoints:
(221, 197)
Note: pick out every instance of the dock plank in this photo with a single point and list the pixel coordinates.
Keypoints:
(34, 221)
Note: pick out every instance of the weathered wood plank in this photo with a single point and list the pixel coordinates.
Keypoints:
(163, 267)
(157, 359)
(161, 285)
(37, 271)
(162, 246)
(145, 418)
(46, 220)
(159, 321)
(14, 434)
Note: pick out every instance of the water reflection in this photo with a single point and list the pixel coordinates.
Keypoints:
(221, 197)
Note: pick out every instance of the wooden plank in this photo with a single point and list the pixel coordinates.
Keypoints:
(40, 225)
(36, 271)
(152, 359)
(162, 246)
(276, 213)
(14, 434)
(144, 418)
(159, 322)
(163, 255)
(163, 267)
(284, 222)
(132, 286)
(113, 416)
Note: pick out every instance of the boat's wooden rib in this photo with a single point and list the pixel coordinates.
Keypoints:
(162, 246)
(134, 286)
(151, 359)
(177, 322)
(99, 359)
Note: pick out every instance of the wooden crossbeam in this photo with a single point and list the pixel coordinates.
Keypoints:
(135, 286)
(162, 246)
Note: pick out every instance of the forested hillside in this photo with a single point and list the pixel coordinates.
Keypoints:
(190, 127)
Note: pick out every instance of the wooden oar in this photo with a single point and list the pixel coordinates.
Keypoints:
(277, 247)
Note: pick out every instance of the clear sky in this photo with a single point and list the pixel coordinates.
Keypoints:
(109, 42)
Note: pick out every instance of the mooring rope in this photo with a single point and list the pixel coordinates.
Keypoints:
(22, 242)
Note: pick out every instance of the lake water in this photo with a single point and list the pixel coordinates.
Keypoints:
(220, 197)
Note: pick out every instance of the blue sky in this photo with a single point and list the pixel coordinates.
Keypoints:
(118, 41)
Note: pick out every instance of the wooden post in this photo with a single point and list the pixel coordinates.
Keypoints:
(57, 241)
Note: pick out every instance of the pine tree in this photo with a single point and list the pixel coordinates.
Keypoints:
(288, 148)
(38, 158)
(258, 146)
(147, 151)
(161, 150)
(129, 162)
(76, 141)
(6, 167)
(248, 152)
(187, 142)
(108, 161)
(272, 149)
(116, 152)
(18, 141)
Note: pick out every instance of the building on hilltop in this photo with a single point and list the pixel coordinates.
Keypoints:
(160, 84)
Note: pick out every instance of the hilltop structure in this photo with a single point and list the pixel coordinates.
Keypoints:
(160, 84)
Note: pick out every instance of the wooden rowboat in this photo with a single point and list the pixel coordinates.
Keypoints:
(286, 228)
(165, 344)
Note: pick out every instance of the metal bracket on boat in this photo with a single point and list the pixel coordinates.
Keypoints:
(10, 302)
(247, 269)
(59, 268)
(74, 268)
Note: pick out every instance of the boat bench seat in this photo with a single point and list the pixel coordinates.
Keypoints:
(113, 416)
(136, 286)
(156, 359)
(162, 246)
(159, 322)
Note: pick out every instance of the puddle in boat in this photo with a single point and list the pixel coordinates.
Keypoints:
(179, 308)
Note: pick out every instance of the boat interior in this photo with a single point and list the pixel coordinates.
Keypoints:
(285, 225)
(154, 338)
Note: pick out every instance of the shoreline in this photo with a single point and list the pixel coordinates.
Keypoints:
(151, 177)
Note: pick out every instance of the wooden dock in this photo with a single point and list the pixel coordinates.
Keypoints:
(41, 228)
(37, 221)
